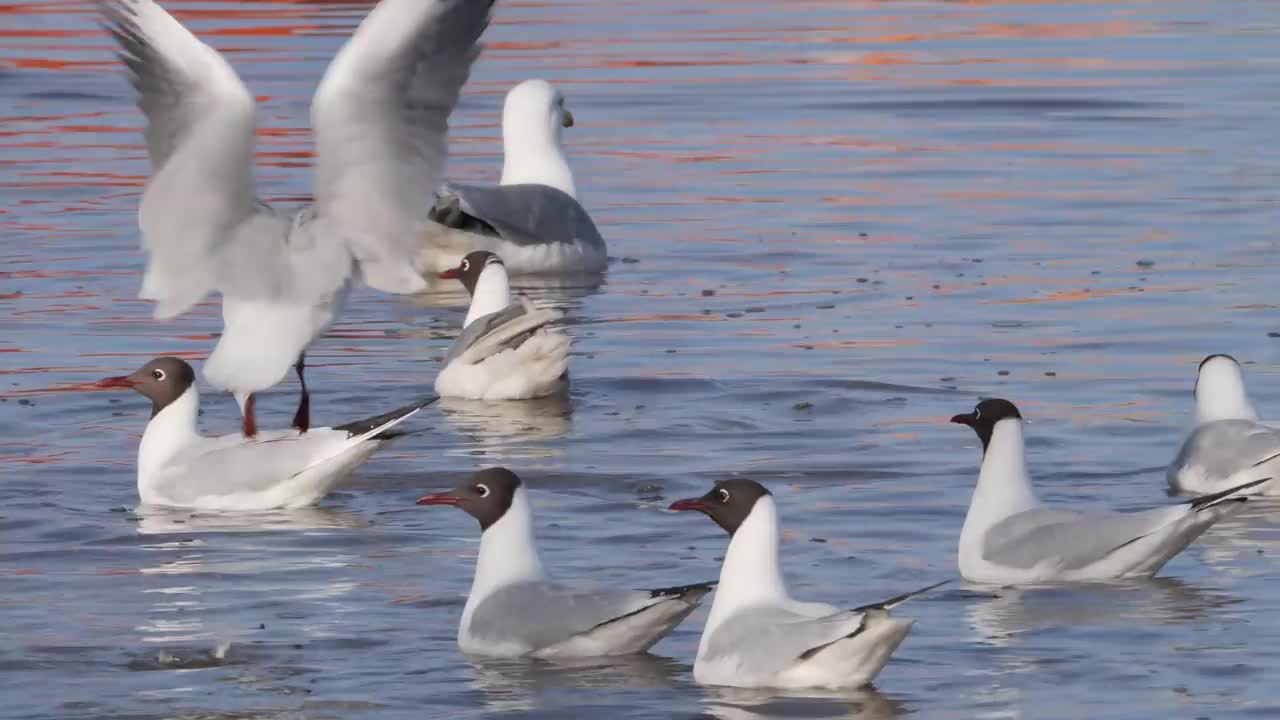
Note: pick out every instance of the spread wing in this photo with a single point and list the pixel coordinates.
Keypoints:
(522, 214)
(200, 139)
(381, 120)
(491, 334)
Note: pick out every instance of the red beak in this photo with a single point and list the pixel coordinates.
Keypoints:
(438, 499)
(454, 274)
(121, 381)
(966, 419)
(690, 504)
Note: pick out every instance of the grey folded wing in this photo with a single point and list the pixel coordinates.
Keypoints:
(522, 214)
(230, 464)
(1067, 539)
(491, 334)
(1224, 447)
(769, 640)
(539, 615)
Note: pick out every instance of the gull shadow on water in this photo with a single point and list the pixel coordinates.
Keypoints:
(159, 520)
(503, 429)
(514, 684)
(751, 704)
(999, 615)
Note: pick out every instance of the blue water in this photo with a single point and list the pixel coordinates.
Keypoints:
(835, 224)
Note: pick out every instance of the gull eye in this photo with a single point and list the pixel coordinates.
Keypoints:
(482, 490)
(723, 495)
(158, 374)
(466, 265)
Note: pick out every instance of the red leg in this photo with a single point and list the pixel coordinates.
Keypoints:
(249, 424)
(302, 418)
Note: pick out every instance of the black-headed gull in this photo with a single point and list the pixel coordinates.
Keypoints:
(1010, 537)
(532, 218)
(507, 350)
(179, 467)
(756, 634)
(1229, 445)
(380, 117)
(514, 610)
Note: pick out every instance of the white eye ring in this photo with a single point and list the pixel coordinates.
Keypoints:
(723, 495)
(158, 374)
(466, 265)
(977, 413)
(482, 490)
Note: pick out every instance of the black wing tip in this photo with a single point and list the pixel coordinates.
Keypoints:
(360, 427)
(677, 590)
(1204, 502)
(899, 599)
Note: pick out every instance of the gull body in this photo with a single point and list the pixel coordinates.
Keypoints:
(515, 610)
(1011, 537)
(180, 467)
(757, 635)
(532, 218)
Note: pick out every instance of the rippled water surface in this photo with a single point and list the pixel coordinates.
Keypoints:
(835, 224)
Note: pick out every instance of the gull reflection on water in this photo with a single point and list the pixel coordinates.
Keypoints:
(749, 704)
(157, 520)
(1007, 612)
(511, 428)
(514, 684)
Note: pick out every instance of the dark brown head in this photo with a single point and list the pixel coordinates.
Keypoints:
(728, 503)
(486, 495)
(984, 417)
(468, 271)
(164, 380)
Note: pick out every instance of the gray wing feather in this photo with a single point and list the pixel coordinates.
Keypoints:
(381, 122)
(200, 139)
(490, 334)
(539, 615)
(1224, 447)
(768, 640)
(1070, 540)
(525, 214)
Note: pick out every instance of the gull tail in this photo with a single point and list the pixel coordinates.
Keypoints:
(691, 593)
(379, 426)
(1204, 502)
(894, 602)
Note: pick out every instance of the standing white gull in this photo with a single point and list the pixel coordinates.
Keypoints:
(514, 610)
(1010, 537)
(756, 634)
(532, 218)
(507, 350)
(179, 467)
(380, 117)
(1229, 444)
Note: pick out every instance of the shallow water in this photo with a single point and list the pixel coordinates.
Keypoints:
(835, 225)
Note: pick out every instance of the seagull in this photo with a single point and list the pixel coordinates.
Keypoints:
(756, 634)
(506, 351)
(1010, 537)
(514, 610)
(1229, 444)
(532, 218)
(179, 467)
(380, 117)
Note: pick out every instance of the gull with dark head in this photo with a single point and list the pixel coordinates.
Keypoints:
(179, 467)
(532, 218)
(1229, 445)
(1011, 537)
(507, 350)
(756, 634)
(380, 117)
(515, 610)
